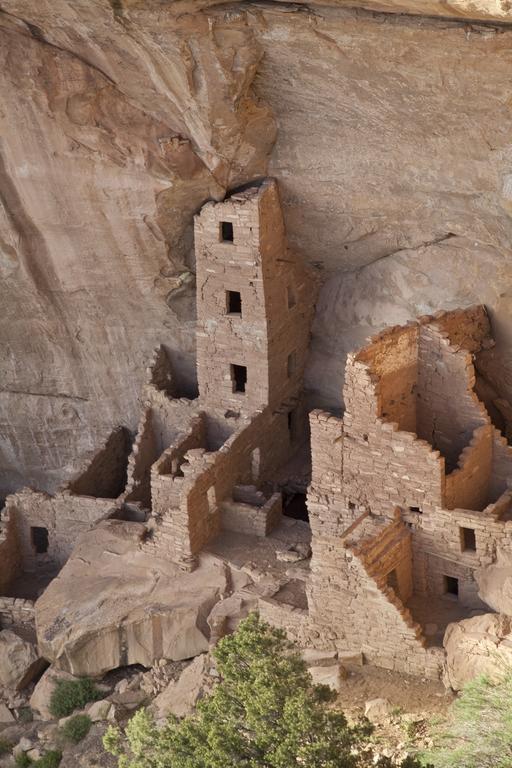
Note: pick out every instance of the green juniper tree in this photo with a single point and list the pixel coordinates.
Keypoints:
(265, 713)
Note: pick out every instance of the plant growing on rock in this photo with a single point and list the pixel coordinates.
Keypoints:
(479, 731)
(265, 713)
(69, 695)
(76, 728)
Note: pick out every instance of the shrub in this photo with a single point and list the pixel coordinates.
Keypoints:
(5, 746)
(265, 713)
(50, 760)
(25, 715)
(23, 760)
(76, 729)
(478, 733)
(69, 695)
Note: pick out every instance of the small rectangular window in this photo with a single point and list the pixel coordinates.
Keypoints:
(226, 232)
(416, 510)
(451, 586)
(467, 540)
(39, 537)
(234, 302)
(239, 377)
(292, 425)
(290, 297)
(291, 364)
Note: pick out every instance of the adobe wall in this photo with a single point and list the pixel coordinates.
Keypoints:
(65, 517)
(105, 475)
(10, 554)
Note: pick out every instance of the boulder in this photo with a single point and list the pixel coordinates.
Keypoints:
(476, 646)
(495, 583)
(40, 699)
(181, 695)
(19, 661)
(6, 715)
(115, 604)
(99, 710)
(331, 675)
(377, 710)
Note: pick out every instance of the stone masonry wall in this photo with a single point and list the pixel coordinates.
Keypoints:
(64, 516)
(269, 336)
(448, 409)
(382, 466)
(14, 610)
(365, 613)
(10, 555)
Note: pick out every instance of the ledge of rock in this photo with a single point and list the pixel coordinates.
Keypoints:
(481, 10)
(477, 646)
(114, 604)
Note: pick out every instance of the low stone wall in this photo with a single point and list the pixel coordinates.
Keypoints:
(16, 611)
(246, 518)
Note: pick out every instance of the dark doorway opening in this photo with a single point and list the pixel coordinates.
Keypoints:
(239, 377)
(39, 537)
(234, 302)
(226, 231)
(294, 505)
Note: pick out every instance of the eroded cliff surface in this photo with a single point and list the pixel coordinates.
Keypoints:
(389, 135)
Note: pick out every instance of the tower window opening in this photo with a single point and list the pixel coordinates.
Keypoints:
(239, 377)
(39, 538)
(467, 540)
(291, 364)
(291, 298)
(451, 586)
(226, 231)
(234, 302)
(292, 425)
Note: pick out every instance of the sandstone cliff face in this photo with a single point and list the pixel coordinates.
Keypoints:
(389, 135)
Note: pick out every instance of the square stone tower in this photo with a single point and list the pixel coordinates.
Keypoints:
(252, 330)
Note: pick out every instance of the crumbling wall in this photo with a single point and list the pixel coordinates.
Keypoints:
(250, 519)
(105, 475)
(467, 487)
(382, 466)
(448, 408)
(167, 474)
(501, 475)
(163, 421)
(392, 357)
(64, 517)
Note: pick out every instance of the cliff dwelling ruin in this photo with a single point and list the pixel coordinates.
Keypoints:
(362, 533)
